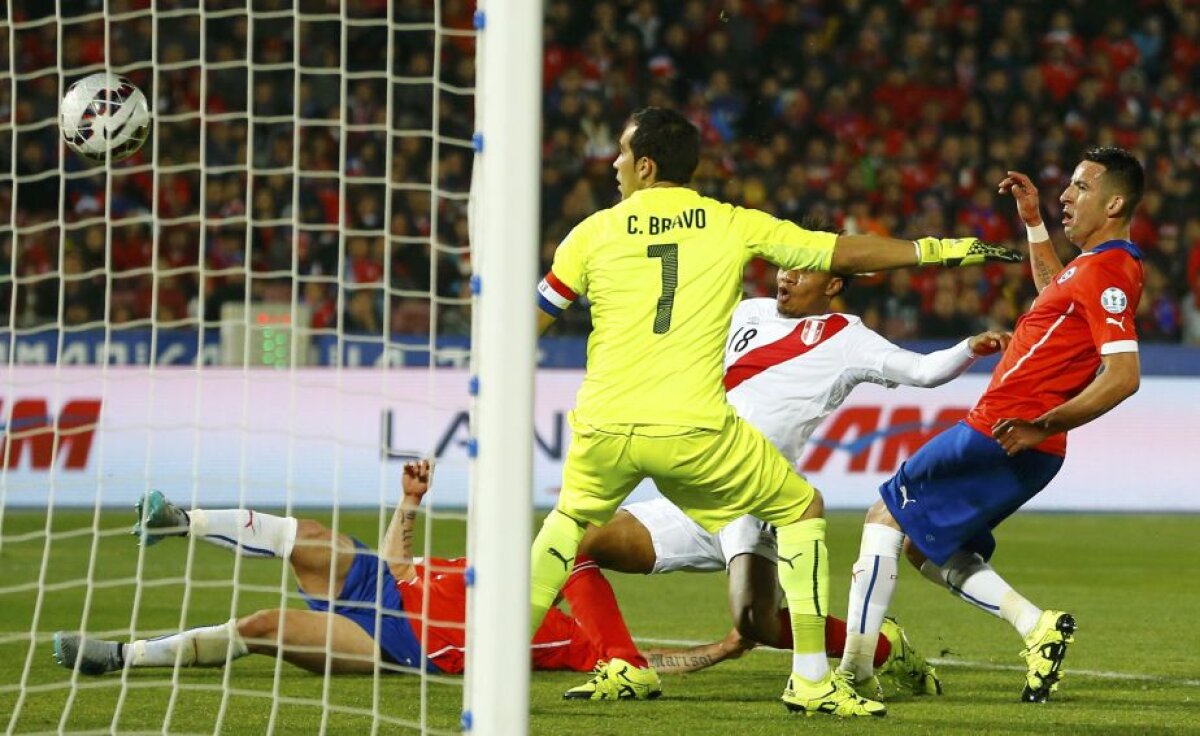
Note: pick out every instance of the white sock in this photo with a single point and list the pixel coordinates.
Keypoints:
(245, 531)
(812, 667)
(871, 591)
(206, 646)
(968, 576)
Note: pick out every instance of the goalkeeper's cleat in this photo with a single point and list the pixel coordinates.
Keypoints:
(618, 680)
(95, 656)
(905, 667)
(833, 695)
(963, 252)
(157, 517)
(1046, 648)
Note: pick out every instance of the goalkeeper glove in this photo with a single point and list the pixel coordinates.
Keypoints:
(962, 252)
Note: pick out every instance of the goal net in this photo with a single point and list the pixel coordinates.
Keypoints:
(271, 307)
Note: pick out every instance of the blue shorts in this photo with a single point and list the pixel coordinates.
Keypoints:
(954, 490)
(357, 603)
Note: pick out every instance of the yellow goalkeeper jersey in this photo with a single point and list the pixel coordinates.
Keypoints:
(663, 272)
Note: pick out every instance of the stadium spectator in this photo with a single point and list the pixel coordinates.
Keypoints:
(800, 97)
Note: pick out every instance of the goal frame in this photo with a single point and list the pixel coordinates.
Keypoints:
(504, 236)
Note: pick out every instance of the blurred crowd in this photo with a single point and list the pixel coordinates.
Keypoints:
(265, 185)
(897, 117)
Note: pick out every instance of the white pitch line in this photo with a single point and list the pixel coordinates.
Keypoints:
(965, 663)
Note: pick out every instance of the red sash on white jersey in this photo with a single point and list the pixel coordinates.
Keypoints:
(806, 336)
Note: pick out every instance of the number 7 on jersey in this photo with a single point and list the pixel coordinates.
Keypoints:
(669, 253)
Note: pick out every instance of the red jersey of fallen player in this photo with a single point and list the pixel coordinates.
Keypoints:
(1086, 312)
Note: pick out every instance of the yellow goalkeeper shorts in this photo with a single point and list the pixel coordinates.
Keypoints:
(715, 476)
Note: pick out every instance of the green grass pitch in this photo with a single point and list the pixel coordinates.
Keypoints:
(1130, 580)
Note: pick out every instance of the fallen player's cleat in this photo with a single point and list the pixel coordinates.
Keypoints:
(618, 680)
(95, 656)
(157, 517)
(870, 688)
(833, 696)
(905, 667)
(1046, 648)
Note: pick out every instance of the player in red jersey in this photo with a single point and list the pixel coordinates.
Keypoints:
(944, 501)
(382, 601)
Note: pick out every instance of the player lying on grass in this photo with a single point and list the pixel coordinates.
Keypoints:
(350, 637)
(789, 363)
(1073, 357)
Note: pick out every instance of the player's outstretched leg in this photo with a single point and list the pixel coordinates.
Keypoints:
(299, 637)
(92, 656)
(1046, 633)
(245, 531)
(804, 576)
(905, 668)
(871, 588)
(1046, 647)
(205, 646)
(157, 518)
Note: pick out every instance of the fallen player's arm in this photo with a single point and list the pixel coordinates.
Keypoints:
(397, 540)
(928, 370)
(678, 661)
(1118, 381)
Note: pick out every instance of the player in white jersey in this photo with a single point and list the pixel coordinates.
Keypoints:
(789, 363)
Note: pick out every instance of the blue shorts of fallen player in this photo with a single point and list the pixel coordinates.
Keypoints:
(356, 601)
(954, 490)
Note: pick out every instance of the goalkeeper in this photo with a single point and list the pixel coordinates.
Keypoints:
(360, 632)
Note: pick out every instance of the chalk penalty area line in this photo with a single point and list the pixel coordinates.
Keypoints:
(964, 663)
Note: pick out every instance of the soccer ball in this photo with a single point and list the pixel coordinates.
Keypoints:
(104, 117)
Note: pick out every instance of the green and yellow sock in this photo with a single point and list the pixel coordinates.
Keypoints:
(804, 576)
(551, 559)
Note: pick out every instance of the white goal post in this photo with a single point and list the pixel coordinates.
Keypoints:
(504, 234)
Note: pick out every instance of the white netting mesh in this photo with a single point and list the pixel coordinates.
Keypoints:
(267, 308)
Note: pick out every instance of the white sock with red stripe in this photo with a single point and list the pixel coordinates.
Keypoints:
(871, 591)
(205, 646)
(971, 578)
(245, 531)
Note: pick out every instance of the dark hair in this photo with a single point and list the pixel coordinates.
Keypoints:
(669, 140)
(1122, 172)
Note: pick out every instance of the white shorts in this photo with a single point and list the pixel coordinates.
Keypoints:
(681, 544)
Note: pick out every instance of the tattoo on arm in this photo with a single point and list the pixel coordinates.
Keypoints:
(398, 540)
(407, 532)
(1044, 273)
(686, 662)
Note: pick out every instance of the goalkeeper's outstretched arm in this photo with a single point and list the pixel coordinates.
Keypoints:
(865, 253)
